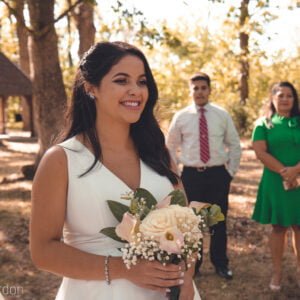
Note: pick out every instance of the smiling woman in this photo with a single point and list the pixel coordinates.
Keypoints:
(276, 142)
(123, 92)
(111, 146)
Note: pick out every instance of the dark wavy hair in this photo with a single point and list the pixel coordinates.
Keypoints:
(81, 117)
(270, 109)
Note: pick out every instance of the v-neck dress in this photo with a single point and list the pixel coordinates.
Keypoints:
(87, 213)
(274, 205)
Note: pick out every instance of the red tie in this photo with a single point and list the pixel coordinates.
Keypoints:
(203, 131)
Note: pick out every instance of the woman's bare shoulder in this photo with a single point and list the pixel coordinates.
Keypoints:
(54, 162)
(55, 154)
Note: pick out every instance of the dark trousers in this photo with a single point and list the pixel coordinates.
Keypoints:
(210, 185)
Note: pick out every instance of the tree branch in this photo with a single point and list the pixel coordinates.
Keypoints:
(44, 30)
(19, 18)
(66, 12)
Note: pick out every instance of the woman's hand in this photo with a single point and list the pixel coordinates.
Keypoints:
(290, 185)
(289, 174)
(187, 291)
(155, 276)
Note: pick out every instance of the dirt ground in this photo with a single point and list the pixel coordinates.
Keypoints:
(248, 241)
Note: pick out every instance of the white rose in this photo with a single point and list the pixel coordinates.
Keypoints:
(158, 221)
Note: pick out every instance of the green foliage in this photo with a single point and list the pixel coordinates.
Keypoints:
(144, 194)
(142, 202)
(13, 109)
(8, 35)
(93, 2)
(212, 215)
(176, 52)
(240, 118)
(118, 209)
(111, 232)
(178, 197)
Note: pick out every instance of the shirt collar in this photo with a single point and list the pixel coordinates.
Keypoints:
(196, 107)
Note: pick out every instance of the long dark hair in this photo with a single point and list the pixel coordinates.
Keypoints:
(146, 133)
(270, 110)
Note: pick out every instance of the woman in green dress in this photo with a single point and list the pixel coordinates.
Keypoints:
(276, 142)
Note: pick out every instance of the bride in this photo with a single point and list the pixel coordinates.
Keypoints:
(112, 144)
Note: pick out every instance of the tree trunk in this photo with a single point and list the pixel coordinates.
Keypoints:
(84, 20)
(22, 34)
(244, 43)
(49, 93)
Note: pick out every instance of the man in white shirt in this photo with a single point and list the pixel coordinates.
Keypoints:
(210, 153)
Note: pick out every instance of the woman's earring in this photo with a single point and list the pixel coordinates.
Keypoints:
(92, 97)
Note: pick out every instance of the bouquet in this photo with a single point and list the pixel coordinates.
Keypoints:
(168, 231)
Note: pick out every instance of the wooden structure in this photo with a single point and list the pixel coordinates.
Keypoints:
(13, 82)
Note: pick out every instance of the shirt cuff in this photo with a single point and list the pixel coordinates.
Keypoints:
(231, 173)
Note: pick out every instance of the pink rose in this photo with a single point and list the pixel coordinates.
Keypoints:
(199, 205)
(127, 228)
(172, 240)
(165, 202)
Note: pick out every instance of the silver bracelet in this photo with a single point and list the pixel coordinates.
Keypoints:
(106, 269)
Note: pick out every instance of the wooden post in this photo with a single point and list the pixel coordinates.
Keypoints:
(30, 111)
(2, 114)
(25, 113)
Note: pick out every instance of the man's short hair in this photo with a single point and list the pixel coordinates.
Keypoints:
(200, 76)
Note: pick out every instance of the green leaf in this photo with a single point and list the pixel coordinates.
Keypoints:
(111, 232)
(215, 215)
(203, 212)
(178, 197)
(117, 209)
(145, 213)
(212, 215)
(146, 195)
(215, 210)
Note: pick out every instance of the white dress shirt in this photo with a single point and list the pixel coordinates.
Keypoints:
(224, 142)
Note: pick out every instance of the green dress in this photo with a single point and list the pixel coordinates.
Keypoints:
(274, 205)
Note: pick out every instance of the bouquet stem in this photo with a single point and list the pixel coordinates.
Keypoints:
(175, 290)
(174, 293)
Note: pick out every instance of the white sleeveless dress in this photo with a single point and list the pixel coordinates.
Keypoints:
(87, 213)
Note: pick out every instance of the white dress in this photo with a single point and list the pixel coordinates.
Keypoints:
(87, 213)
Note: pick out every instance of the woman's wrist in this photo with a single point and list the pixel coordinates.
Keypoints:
(188, 277)
(116, 268)
(295, 171)
(106, 269)
(189, 273)
(281, 170)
